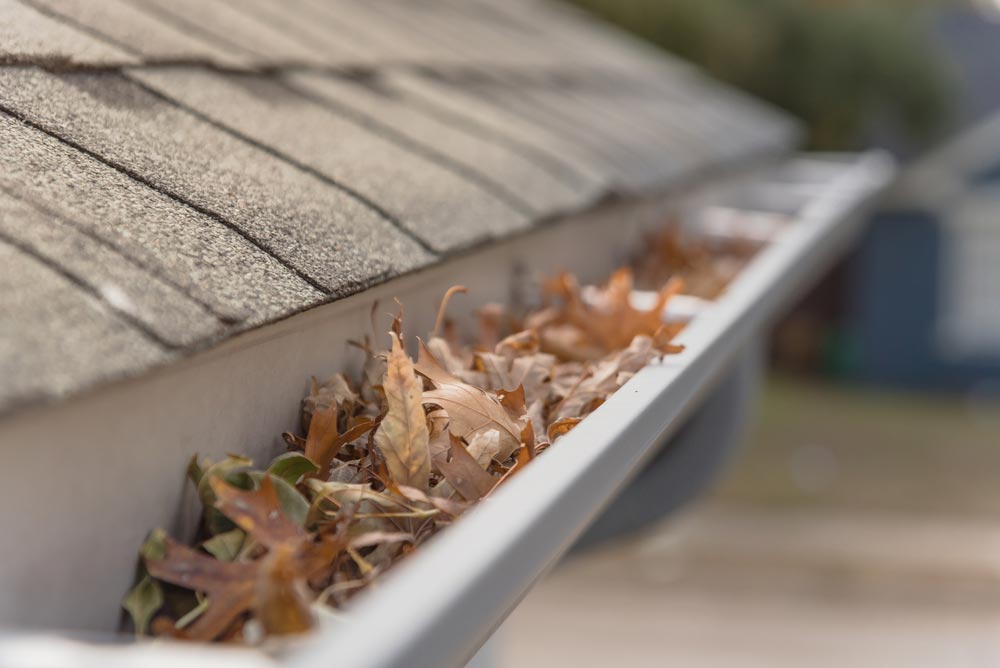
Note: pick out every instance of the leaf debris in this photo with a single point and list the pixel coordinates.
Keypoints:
(391, 457)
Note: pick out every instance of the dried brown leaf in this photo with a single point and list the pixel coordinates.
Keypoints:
(322, 439)
(605, 316)
(561, 427)
(230, 586)
(464, 473)
(515, 403)
(259, 513)
(520, 343)
(469, 408)
(443, 308)
(337, 389)
(402, 435)
(282, 596)
(484, 446)
(373, 538)
(428, 456)
(449, 506)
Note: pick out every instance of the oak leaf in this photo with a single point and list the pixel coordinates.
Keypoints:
(324, 441)
(230, 586)
(469, 408)
(606, 315)
(259, 513)
(273, 586)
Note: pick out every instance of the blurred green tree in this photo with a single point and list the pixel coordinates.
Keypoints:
(843, 66)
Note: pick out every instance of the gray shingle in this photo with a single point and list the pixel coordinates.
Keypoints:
(231, 27)
(460, 38)
(652, 131)
(140, 32)
(702, 134)
(544, 191)
(170, 316)
(208, 261)
(585, 41)
(28, 36)
(444, 209)
(657, 137)
(39, 361)
(729, 125)
(656, 154)
(323, 31)
(320, 231)
(392, 41)
(461, 106)
(578, 126)
(759, 127)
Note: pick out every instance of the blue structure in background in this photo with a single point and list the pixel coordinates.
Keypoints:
(894, 282)
(897, 300)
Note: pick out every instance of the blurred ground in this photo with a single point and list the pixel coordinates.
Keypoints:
(857, 528)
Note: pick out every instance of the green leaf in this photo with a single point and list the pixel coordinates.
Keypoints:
(291, 466)
(219, 470)
(155, 545)
(142, 602)
(226, 469)
(225, 546)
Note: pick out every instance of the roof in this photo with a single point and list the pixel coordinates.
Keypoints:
(965, 163)
(177, 171)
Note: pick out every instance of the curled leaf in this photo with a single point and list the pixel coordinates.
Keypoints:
(561, 427)
(227, 469)
(291, 466)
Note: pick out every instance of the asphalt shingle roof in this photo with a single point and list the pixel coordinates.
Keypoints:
(177, 171)
(295, 216)
(160, 309)
(34, 296)
(425, 195)
(493, 165)
(211, 263)
(27, 35)
(134, 30)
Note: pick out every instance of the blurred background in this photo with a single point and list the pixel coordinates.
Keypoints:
(860, 522)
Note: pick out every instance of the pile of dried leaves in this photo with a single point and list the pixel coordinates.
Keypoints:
(390, 458)
(705, 265)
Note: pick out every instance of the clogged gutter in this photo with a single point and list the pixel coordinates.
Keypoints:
(388, 459)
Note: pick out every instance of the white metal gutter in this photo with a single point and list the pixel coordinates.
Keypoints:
(437, 608)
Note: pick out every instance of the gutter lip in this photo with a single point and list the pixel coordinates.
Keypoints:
(442, 604)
